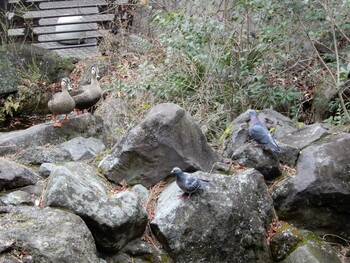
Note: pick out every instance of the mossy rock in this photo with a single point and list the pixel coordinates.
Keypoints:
(36, 63)
(9, 76)
(291, 245)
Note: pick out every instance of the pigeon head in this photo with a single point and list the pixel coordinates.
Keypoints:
(176, 170)
(252, 113)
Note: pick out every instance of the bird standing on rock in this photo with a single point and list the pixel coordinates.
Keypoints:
(88, 95)
(259, 132)
(62, 102)
(188, 183)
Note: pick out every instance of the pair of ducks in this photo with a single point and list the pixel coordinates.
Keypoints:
(85, 97)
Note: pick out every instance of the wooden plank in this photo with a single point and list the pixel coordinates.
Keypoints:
(26, 1)
(52, 29)
(85, 19)
(15, 32)
(60, 12)
(53, 38)
(57, 46)
(72, 3)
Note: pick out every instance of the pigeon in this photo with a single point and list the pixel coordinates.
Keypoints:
(259, 132)
(188, 183)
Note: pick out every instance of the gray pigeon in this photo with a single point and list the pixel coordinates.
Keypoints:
(188, 183)
(259, 132)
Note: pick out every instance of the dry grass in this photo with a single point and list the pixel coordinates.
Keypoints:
(123, 186)
(273, 228)
(150, 206)
(341, 244)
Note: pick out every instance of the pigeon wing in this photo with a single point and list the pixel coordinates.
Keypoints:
(259, 133)
(192, 184)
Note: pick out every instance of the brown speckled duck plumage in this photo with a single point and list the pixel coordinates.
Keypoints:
(88, 95)
(62, 102)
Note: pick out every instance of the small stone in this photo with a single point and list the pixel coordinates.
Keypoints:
(46, 168)
(142, 192)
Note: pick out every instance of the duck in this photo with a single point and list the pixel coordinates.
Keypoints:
(62, 102)
(87, 96)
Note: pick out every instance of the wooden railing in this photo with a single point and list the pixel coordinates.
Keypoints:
(41, 21)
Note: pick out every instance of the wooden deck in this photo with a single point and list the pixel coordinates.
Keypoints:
(38, 24)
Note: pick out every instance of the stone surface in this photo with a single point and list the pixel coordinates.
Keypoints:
(17, 198)
(9, 76)
(85, 125)
(13, 175)
(44, 154)
(318, 196)
(290, 137)
(167, 137)
(82, 149)
(291, 245)
(46, 235)
(46, 168)
(304, 136)
(141, 252)
(228, 220)
(240, 148)
(76, 149)
(142, 192)
(114, 220)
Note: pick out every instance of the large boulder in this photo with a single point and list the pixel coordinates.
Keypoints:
(227, 221)
(141, 252)
(318, 196)
(44, 235)
(18, 197)
(291, 245)
(13, 175)
(76, 149)
(114, 220)
(85, 125)
(290, 137)
(167, 137)
(239, 147)
(9, 76)
(304, 135)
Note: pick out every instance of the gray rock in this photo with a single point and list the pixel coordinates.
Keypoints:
(290, 137)
(44, 154)
(17, 198)
(81, 149)
(85, 125)
(292, 245)
(114, 112)
(318, 196)
(9, 75)
(240, 148)
(76, 149)
(46, 235)
(228, 220)
(261, 159)
(46, 168)
(168, 137)
(142, 192)
(304, 136)
(13, 175)
(113, 220)
(139, 251)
